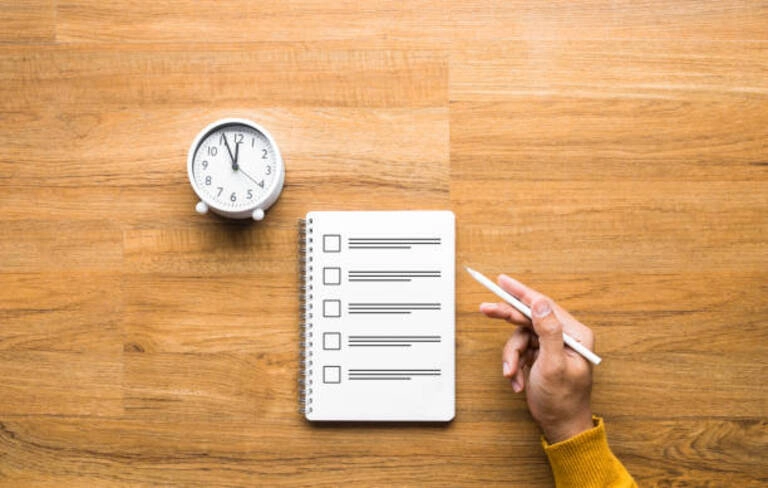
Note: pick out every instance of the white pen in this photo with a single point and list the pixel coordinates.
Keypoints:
(525, 310)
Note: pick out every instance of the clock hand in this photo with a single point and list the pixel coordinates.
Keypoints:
(237, 152)
(234, 159)
(251, 178)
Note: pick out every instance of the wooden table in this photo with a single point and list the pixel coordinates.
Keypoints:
(611, 154)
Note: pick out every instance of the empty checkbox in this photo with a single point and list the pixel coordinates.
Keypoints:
(331, 276)
(331, 243)
(332, 341)
(331, 308)
(331, 374)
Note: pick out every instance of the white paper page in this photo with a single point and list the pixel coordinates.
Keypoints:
(383, 315)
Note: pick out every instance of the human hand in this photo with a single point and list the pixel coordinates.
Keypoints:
(556, 379)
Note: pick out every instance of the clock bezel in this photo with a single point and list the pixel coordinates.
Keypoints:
(272, 193)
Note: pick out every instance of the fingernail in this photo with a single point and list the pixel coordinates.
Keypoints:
(486, 304)
(541, 309)
(516, 386)
(505, 369)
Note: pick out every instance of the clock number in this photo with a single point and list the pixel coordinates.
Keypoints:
(263, 154)
(261, 183)
(268, 170)
(233, 197)
(208, 180)
(205, 164)
(212, 151)
(250, 194)
(238, 138)
(221, 189)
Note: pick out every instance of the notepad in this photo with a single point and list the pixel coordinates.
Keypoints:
(378, 316)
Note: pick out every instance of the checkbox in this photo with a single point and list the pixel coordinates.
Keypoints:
(331, 308)
(331, 276)
(332, 341)
(332, 243)
(331, 374)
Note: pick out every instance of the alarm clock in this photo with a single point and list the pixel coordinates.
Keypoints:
(236, 169)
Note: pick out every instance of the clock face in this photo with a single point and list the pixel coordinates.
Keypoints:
(234, 167)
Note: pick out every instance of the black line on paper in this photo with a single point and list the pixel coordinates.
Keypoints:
(391, 242)
(357, 280)
(352, 375)
(381, 271)
(394, 337)
(381, 378)
(379, 247)
(391, 313)
(389, 275)
(395, 308)
(392, 370)
(385, 341)
(393, 239)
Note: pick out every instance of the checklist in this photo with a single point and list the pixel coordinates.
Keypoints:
(379, 316)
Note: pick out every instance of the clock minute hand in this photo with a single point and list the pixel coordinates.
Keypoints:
(234, 160)
(251, 177)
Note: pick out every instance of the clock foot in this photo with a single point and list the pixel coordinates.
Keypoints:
(201, 208)
(258, 214)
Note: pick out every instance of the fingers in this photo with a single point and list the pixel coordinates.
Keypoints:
(513, 349)
(529, 296)
(525, 294)
(518, 381)
(550, 332)
(504, 311)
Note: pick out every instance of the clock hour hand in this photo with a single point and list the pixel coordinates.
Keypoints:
(234, 159)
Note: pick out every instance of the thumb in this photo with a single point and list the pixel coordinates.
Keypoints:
(550, 332)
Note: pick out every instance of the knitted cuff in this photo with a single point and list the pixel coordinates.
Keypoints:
(584, 460)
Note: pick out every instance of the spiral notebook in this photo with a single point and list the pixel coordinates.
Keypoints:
(378, 316)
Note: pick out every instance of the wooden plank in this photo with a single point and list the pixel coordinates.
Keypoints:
(255, 311)
(68, 311)
(34, 245)
(388, 23)
(575, 138)
(609, 70)
(309, 21)
(681, 382)
(583, 227)
(61, 383)
(484, 21)
(693, 450)
(235, 387)
(30, 21)
(225, 77)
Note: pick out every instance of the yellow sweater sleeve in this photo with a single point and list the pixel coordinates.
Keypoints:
(586, 461)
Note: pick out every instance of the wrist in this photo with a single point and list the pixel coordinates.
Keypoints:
(561, 431)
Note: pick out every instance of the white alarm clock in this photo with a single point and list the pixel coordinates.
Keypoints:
(235, 168)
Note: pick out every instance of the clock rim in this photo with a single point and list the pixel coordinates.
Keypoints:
(271, 194)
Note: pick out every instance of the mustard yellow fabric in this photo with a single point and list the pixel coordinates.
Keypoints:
(586, 461)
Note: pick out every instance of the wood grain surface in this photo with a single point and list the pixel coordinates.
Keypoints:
(613, 154)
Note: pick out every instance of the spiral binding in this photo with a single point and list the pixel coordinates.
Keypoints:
(306, 342)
